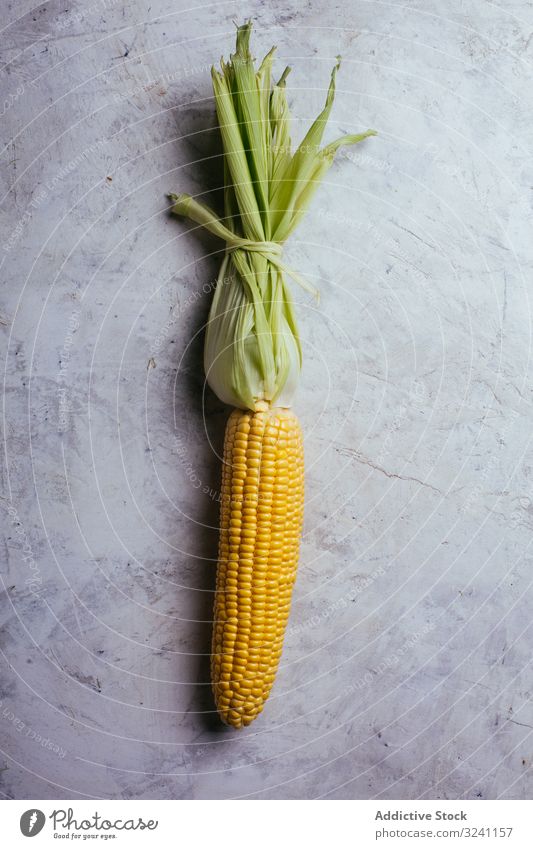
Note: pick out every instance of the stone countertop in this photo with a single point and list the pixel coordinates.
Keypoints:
(405, 671)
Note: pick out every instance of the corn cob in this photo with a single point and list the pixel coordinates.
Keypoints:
(260, 527)
(252, 359)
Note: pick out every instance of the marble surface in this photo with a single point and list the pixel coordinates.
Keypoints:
(406, 667)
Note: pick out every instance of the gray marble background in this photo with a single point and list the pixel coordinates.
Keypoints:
(406, 667)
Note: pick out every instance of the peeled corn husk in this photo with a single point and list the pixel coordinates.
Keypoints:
(252, 348)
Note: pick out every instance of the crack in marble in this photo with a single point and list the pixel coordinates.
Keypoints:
(356, 455)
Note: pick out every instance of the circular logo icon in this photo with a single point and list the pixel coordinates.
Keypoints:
(32, 822)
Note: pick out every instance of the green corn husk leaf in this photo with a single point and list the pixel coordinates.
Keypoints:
(301, 165)
(280, 129)
(248, 99)
(236, 158)
(252, 347)
(307, 167)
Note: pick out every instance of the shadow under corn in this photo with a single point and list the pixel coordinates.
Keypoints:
(208, 415)
(201, 150)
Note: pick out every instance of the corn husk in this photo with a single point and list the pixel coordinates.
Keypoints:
(252, 347)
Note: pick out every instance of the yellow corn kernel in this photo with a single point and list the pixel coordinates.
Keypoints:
(260, 527)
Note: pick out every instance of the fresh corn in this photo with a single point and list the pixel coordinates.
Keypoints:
(253, 359)
(261, 522)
